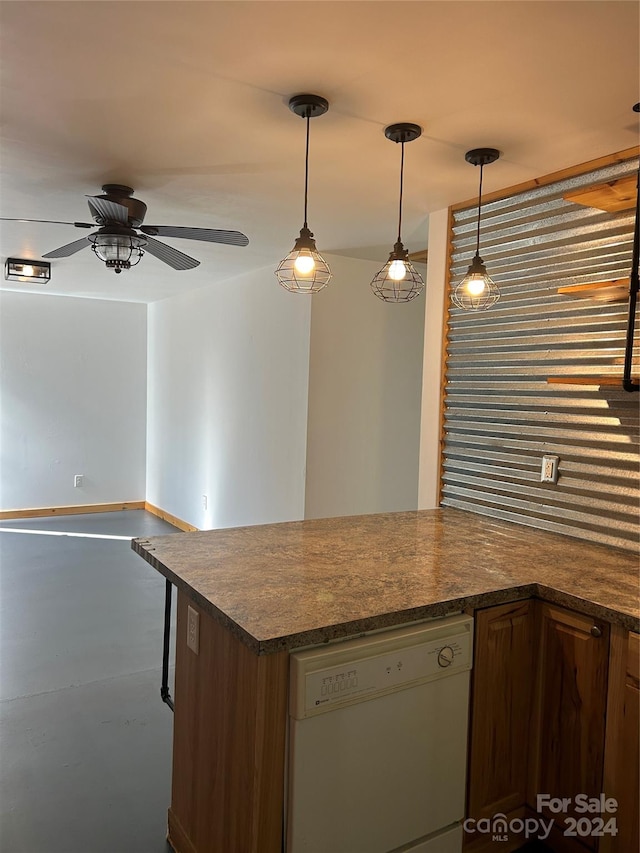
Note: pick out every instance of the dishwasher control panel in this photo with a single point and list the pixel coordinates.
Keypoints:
(361, 669)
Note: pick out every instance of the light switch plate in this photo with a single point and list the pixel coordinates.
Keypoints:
(193, 629)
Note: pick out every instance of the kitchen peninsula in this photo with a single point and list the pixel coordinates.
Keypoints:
(263, 591)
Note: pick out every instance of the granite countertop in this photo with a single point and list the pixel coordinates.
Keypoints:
(283, 586)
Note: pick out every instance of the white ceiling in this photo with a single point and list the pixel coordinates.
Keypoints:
(187, 103)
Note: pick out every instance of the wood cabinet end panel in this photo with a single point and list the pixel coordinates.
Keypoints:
(227, 741)
(176, 836)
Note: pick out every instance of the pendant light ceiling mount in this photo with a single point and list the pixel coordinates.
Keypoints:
(398, 280)
(304, 270)
(308, 106)
(403, 131)
(482, 156)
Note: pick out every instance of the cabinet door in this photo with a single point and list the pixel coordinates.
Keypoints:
(501, 709)
(629, 818)
(568, 742)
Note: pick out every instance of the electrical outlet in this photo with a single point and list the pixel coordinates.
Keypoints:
(77, 481)
(549, 469)
(193, 629)
(204, 502)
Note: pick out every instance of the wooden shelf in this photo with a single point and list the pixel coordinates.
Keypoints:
(604, 291)
(613, 197)
(419, 257)
(588, 380)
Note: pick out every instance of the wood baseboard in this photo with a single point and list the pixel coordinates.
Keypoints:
(39, 512)
(172, 519)
(42, 511)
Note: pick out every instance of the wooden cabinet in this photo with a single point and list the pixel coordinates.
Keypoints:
(567, 743)
(622, 744)
(628, 788)
(542, 702)
(501, 712)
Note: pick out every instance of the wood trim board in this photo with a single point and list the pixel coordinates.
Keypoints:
(172, 519)
(444, 351)
(39, 512)
(80, 509)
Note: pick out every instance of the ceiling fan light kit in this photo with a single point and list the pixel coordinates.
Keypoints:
(398, 280)
(477, 291)
(304, 270)
(117, 248)
(27, 271)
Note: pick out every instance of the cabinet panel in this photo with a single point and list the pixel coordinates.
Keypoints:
(568, 746)
(501, 709)
(629, 785)
(229, 743)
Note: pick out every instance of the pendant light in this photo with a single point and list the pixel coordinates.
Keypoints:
(398, 280)
(477, 291)
(304, 270)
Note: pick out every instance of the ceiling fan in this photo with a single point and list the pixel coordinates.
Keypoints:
(122, 239)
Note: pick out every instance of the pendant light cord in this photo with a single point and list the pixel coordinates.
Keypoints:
(479, 213)
(306, 171)
(401, 183)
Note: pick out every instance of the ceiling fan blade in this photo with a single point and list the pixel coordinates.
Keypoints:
(177, 260)
(107, 210)
(69, 249)
(50, 221)
(208, 235)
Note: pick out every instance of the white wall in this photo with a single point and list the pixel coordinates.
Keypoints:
(227, 403)
(73, 379)
(364, 397)
(429, 484)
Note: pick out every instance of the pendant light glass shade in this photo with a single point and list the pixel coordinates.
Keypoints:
(398, 280)
(304, 270)
(477, 291)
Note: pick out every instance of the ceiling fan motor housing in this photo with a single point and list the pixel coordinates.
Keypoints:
(121, 194)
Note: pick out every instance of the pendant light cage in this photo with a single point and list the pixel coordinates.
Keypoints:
(304, 270)
(477, 291)
(398, 280)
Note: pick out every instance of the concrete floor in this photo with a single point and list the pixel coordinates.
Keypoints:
(85, 741)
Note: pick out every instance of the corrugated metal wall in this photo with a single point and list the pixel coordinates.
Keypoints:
(500, 414)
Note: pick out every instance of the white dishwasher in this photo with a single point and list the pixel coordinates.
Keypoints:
(378, 741)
